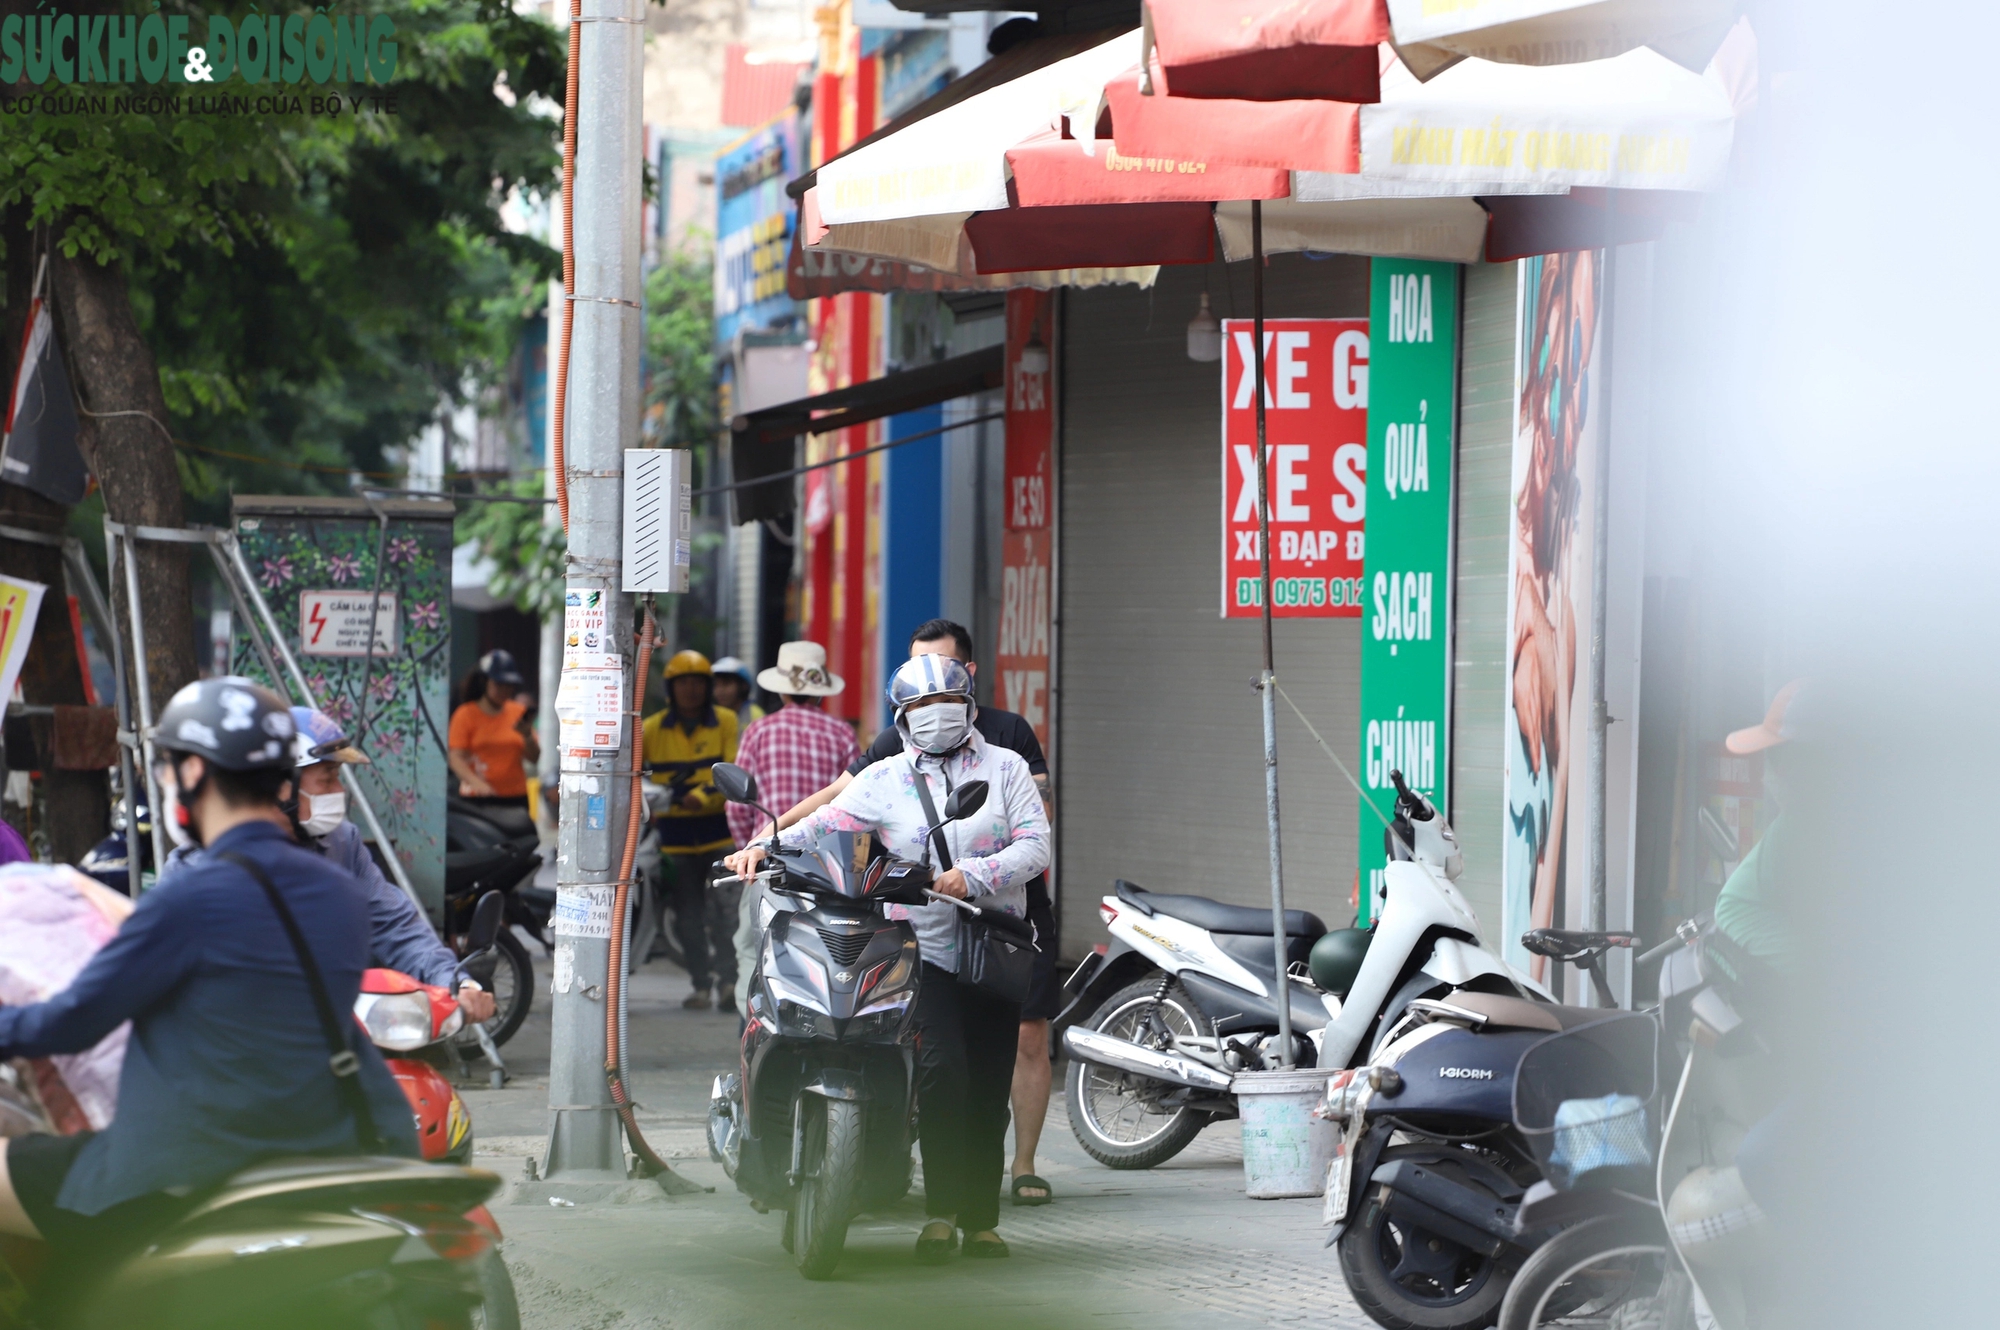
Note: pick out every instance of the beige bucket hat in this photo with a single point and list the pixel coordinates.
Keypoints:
(801, 672)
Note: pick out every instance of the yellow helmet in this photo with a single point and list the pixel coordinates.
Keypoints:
(688, 662)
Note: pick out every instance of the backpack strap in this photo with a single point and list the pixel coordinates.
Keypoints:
(341, 1058)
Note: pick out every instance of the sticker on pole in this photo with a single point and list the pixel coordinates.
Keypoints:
(590, 707)
(583, 912)
(335, 623)
(1316, 461)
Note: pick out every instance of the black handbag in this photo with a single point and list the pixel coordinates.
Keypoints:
(996, 951)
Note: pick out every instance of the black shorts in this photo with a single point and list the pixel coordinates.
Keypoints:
(37, 1164)
(1044, 1000)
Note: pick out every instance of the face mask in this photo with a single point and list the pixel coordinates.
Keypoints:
(327, 812)
(173, 817)
(939, 727)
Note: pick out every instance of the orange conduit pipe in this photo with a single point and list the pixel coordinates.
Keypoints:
(621, 918)
(570, 99)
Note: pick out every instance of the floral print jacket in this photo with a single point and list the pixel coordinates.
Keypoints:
(1000, 848)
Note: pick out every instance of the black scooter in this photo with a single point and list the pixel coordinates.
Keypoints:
(817, 1119)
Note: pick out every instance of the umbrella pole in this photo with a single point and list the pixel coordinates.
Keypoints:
(1266, 683)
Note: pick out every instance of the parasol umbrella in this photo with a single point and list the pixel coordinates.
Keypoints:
(1264, 50)
(1431, 37)
(1278, 49)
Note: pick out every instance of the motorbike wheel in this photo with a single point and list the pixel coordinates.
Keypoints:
(513, 993)
(1116, 1115)
(831, 1164)
(498, 1308)
(1612, 1270)
(1409, 1279)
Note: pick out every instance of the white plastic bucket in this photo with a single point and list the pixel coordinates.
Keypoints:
(1286, 1149)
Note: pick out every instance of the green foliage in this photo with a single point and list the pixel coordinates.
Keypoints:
(314, 287)
(526, 545)
(680, 348)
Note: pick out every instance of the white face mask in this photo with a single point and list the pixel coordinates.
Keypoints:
(327, 812)
(939, 727)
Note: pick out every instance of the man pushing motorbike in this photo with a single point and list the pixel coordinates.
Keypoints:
(399, 938)
(228, 1062)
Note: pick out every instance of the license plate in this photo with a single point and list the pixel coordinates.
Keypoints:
(1340, 1173)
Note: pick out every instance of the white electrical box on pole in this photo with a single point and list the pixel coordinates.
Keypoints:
(659, 519)
(585, 1144)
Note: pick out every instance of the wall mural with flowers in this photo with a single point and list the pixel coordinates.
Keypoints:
(314, 563)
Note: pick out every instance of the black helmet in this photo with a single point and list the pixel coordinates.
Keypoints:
(234, 723)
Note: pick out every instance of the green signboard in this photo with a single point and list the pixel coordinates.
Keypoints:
(1406, 569)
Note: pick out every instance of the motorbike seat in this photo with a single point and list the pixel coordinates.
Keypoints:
(1572, 944)
(465, 869)
(1514, 1013)
(337, 1182)
(1216, 917)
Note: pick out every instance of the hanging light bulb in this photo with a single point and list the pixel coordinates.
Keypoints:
(1034, 355)
(1204, 334)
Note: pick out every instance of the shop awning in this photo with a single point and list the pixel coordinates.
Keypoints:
(764, 442)
(1266, 50)
(1431, 37)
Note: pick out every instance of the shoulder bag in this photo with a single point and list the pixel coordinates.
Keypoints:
(996, 951)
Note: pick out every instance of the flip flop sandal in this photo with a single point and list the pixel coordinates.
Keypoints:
(935, 1251)
(986, 1249)
(1030, 1180)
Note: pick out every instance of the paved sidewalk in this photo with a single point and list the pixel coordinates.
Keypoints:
(1179, 1245)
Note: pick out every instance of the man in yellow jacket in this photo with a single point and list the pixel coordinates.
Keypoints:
(682, 745)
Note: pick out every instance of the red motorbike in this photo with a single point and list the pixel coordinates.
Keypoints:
(413, 1024)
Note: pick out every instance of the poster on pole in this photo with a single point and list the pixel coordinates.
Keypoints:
(1406, 609)
(1556, 453)
(20, 605)
(1316, 443)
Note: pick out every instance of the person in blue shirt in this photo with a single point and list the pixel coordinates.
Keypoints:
(400, 938)
(227, 1063)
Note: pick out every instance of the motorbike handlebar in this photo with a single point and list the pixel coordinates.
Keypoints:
(1687, 932)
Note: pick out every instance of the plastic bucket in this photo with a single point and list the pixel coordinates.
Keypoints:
(1286, 1149)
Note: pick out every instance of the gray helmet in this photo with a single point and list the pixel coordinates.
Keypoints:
(230, 721)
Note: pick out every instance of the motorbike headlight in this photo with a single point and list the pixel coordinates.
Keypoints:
(400, 1022)
(798, 1021)
(889, 976)
(883, 1021)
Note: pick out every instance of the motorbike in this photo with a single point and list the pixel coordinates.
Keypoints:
(498, 850)
(817, 1118)
(1659, 1228)
(413, 1024)
(1185, 995)
(1430, 1173)
(321, 1242)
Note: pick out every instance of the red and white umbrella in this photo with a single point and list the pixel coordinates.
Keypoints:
(1264, 50)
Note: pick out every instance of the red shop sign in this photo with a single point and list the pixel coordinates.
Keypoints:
(1316, 441)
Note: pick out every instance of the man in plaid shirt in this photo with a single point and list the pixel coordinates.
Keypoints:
(793, 753)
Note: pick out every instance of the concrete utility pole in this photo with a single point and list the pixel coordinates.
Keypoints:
(585, 1145)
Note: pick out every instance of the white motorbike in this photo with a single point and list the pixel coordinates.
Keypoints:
(1185, 996)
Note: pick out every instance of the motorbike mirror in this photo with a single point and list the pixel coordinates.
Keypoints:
(964, 801)
(486, 917)
(737, 785)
